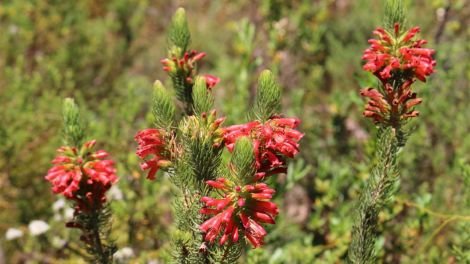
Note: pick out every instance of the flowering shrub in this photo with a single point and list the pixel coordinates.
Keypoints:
(106, 55)
(84, 177)
(190, 153)
(397, 61)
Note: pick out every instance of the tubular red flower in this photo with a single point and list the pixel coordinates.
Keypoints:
(186, 66)
(152, 143)
(393, 106)
(83, 176)
(211, 80)
(273, 142)
(398, 53)
(240, 209)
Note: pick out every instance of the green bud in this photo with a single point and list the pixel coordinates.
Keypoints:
(73, 129)
(268, 96)
(203, 101)
(163, 107)
(394, 13)
(178, 34)
(243, 160)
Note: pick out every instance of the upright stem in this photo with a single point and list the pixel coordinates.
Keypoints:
(377, 192)
(96, 237)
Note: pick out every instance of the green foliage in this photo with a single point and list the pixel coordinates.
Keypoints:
(394, 13)
(461, 248)
(203, 99)
(97, 227)
(243, 161)
(163, 108)
(379, 189)
(243, 63)
(268, 96)
(73, 126)
(106, 54)
(179, 37)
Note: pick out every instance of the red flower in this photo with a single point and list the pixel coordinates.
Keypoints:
(393, 106)
(83, 176)
(187, 63)
(273, 142)
(239, 211)
(211, 80)
(186, 66)
(152, 143)
(398, 53)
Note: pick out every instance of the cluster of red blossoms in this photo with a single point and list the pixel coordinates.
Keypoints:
(82, 175)
(397, 60)
(242, 208)
(245, 208)
(152, 143)
(186, 66)
(273, 141)
(398, 53)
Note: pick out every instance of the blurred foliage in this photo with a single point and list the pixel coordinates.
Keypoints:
(106, 55)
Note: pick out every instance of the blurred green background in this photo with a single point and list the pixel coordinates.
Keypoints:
(106, 55)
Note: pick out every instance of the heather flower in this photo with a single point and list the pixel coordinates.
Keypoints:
(398, 53)
(211, 80)
(82, 175)
(186, 66)
(393, 106)
(273, 142)
(240, 211)
(152, 143)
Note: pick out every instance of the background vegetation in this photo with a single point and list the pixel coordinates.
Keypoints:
(106, 55)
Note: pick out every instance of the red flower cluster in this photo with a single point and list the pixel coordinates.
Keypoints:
(395, 52)
(83, 176)
(152, 142)
(395, 106)
(397, 60)
(241, 210)
(187, 66)
(273, 141)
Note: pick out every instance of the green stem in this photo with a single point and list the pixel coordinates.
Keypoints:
(377, 192)
(97, 239)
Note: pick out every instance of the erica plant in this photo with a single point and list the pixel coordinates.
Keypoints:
(83, 176)
(398, 59)
(220, 203)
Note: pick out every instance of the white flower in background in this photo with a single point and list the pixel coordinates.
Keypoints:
(115, 193)
(124, 253)
(13, 233)
(38, 227)
(68, 214)
(57, 205)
